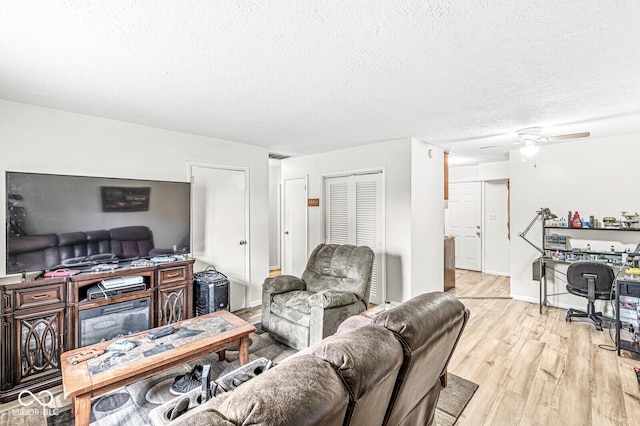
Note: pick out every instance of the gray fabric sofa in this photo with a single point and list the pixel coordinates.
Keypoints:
(334, 286)
(385, 371)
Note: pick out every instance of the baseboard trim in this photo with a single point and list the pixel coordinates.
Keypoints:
(500, 273)
(254, 303)
(557, 305)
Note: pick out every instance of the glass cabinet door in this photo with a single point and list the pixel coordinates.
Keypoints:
(172, 305)
(39, 337)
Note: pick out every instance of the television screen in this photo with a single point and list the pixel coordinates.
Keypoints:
(56, 220)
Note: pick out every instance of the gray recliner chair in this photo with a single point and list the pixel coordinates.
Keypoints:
(334, 286)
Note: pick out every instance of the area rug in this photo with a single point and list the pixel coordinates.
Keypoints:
(453, 399)
(130, 405)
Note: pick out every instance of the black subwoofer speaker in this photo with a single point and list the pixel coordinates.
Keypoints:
(211, 292)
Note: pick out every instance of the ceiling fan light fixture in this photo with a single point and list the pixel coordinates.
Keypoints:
(530, 133)
(530, 149)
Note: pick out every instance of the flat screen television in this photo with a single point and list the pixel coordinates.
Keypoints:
(55, 221)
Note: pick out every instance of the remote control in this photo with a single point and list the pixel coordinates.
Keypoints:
(205, 393)
(160, 332)
(123, 345)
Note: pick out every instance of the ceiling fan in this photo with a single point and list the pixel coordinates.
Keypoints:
(530, 138)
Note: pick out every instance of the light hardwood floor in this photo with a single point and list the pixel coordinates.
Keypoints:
(537, 368)
(532, 368)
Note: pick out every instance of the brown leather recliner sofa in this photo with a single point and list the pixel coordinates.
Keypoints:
(48, 251)
(385, 371)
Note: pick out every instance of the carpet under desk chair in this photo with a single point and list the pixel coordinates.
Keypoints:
(593, 280)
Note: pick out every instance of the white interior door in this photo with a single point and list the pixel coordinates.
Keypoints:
(354, 215)
(294, 226)
(464, 223)
(495, 236)
(220, 226)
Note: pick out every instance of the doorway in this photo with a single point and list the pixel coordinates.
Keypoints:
(496, 245)
(294, 226)
(220, 225)
(464, 223)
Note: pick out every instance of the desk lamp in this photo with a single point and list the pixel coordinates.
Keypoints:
(544, 213)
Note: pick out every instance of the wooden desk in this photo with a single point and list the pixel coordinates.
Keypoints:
(193, 339)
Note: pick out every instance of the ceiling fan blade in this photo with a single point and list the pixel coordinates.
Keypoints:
(569, 136)
(489, 146)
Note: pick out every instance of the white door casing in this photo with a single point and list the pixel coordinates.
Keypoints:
(220, 225)
(354, 214)
(294, 226)
(464, 223)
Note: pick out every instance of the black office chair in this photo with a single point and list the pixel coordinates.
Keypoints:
(592, 280)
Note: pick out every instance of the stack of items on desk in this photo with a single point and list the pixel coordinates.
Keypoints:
(630, 220)
(573, 220)
(628, 307)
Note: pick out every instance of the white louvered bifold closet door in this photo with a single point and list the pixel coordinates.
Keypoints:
(353, 215)
(338, 211)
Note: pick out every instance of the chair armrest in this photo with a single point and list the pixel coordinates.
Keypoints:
(282, 284)
(331, 299)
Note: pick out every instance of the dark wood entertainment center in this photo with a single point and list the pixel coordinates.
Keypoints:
(40, 319)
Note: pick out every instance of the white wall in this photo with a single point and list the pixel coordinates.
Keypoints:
(36, 139)
(498, 170)
(593, 176)
(464, 174)
(427, 218)
(395, 157)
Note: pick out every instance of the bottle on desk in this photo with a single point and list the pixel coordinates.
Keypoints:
(576, 222)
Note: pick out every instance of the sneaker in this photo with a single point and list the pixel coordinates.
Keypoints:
(186, 382)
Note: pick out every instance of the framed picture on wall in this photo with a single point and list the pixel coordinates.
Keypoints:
(124, 199)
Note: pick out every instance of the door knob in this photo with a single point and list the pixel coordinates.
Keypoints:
(243, 242)
(478, 234)
(286, 232)
(478, 227)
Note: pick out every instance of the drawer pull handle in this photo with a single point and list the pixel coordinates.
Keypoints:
(40, 296)
(173, 274)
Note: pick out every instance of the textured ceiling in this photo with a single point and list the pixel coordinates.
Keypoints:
(301, 77)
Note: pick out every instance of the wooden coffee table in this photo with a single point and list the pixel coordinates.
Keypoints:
(193, 339)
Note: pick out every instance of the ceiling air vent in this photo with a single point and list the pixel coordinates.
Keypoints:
(277, 156)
